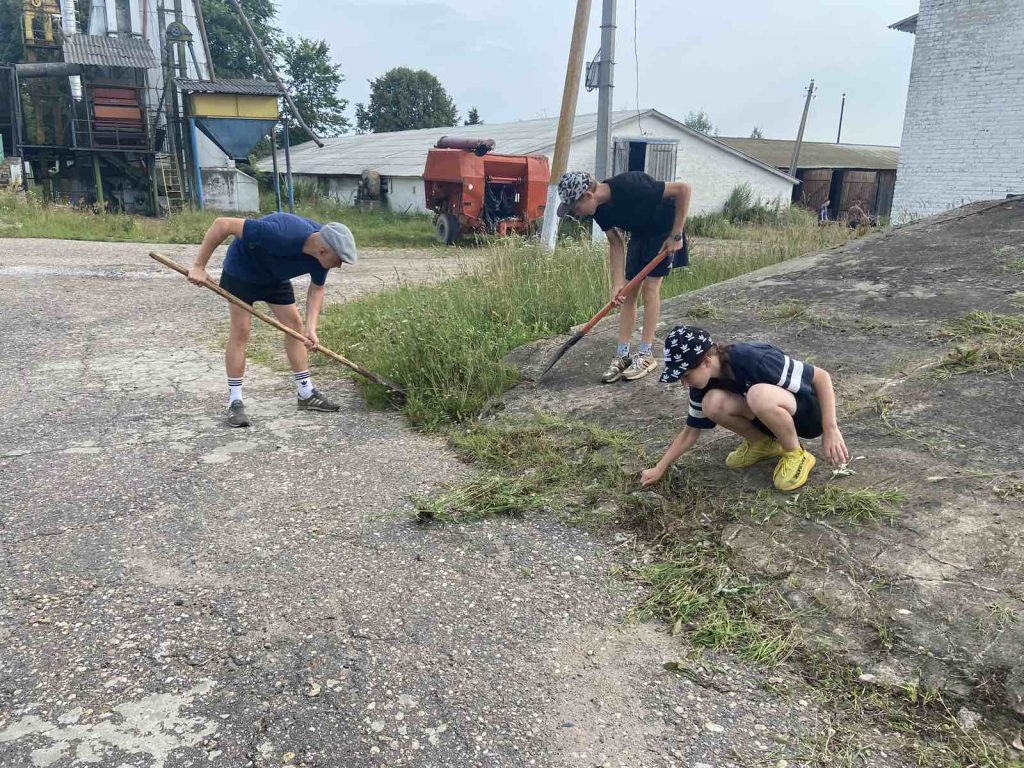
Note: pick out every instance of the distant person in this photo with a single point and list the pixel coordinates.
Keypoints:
(759, 392)
(265, 255)
(823, 212)
(653, 213)
(856, 215)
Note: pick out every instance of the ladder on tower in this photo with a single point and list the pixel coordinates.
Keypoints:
(170, 179)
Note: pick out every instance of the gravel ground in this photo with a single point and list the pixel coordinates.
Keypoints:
(176, 593)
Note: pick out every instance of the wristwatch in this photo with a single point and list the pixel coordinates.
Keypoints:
(678, 238)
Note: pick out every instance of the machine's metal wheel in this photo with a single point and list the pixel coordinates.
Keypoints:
(447, 230)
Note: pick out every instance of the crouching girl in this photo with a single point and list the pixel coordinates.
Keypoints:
(765, 396)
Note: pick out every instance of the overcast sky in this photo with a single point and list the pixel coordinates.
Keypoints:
(745, 62)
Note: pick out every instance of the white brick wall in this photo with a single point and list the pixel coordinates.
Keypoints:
(963, 135)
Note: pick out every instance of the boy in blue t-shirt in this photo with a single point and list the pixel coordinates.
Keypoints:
(265, 255)
(759, 392)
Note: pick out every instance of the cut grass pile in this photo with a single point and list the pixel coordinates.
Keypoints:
(695, 590)
(832, 502)
(984, 343)
(529, 466)
(446, 343)
(793, 312)
(29, 216)
(588, 475)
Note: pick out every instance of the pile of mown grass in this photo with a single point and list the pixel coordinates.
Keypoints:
(984, 343)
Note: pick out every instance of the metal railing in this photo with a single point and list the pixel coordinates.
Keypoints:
(113, 135)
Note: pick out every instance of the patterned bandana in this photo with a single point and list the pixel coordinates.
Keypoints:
(571, 187)
(685, 347)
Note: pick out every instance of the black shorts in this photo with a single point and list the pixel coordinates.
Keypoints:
(250, 293)
(807, 417)
(643, 248)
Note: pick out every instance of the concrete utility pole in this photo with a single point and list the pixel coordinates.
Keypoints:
(800, 133)
(842, 108)
(566, 117)
(606, 82)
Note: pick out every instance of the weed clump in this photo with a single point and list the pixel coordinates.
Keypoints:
(984, 343)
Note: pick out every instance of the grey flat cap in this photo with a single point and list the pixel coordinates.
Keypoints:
(339, 238)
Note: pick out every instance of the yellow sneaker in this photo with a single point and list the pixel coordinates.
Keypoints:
(793, 469)
(748, 454)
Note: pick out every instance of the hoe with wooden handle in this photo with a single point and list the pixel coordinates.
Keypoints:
(395, 392)
(625, 291)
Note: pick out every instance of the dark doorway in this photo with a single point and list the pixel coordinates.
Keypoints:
(637, 156)
(835, 192)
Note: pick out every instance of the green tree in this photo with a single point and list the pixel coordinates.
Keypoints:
(699, 121)
(402, 99)
(11, 47)
(233, 52)
(313, 81)
(474, 117)
(756, 133)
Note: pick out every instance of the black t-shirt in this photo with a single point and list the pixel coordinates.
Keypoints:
(638, 205)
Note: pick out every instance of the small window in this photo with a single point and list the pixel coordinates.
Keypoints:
(656, 157)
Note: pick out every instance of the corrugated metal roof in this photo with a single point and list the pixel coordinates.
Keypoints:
(228, 85)
(101, 51)
(908, 24)
(403, 153)
(818, 154)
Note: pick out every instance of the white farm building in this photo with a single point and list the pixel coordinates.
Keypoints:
(647, 140)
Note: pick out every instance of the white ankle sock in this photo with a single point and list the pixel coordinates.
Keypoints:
(304, 384)
(234, 389)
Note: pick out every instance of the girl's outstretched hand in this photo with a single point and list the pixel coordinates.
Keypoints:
(650, 476)
(835, 447)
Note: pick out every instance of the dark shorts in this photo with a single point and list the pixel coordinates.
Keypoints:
(643, 248)
(807, 418)
(250, 293)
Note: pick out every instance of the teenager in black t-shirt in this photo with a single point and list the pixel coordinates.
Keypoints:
(654, 214)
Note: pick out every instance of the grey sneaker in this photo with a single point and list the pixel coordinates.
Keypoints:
(317, 402)
(236, 414)
(640, 367)
(614, 371)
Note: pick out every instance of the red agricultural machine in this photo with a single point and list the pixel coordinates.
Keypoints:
(471, 190)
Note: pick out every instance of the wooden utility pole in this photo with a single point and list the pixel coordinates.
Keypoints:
(800, 133)
(842, 108)
(566, 117)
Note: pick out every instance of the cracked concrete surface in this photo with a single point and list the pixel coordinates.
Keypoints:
(176, 593)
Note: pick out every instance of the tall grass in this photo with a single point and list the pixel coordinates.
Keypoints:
(446, 343)
(742, 211)
(31, 216)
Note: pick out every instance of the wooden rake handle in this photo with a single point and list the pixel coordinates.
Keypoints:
(625, 291)
(376, 378)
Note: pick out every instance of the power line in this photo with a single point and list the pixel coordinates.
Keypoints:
(636, 63)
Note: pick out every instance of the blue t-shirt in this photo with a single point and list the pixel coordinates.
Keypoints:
(753, 364)
(270, 251)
